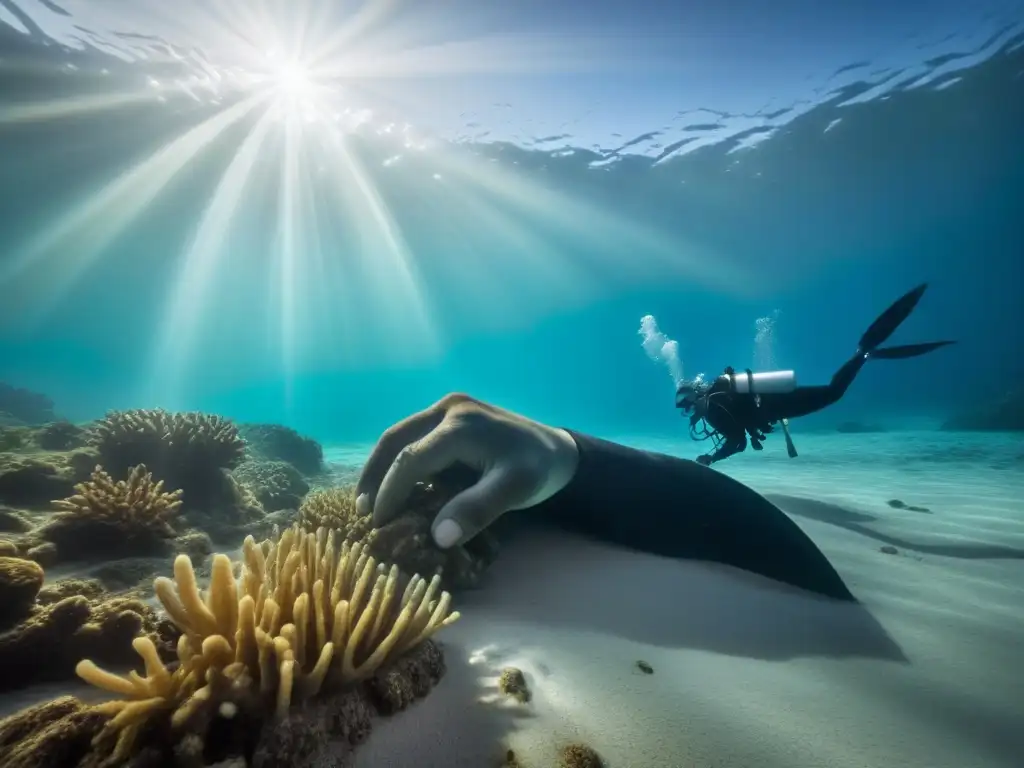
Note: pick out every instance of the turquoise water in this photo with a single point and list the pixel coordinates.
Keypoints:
(326, 216)
(491, 200)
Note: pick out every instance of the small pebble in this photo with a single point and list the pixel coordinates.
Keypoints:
(889, 550)
(644, 667)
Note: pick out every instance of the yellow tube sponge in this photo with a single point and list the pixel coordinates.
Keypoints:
(303, 615)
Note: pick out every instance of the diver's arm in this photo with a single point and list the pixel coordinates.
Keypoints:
(731, 445)
(674, 507)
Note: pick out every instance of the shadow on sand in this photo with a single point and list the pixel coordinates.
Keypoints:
(450, 722)
(858, 522)
(554, 578)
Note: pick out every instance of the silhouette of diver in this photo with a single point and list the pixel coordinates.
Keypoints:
(736, 405)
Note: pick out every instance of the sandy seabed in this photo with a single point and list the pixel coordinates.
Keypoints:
(927, 673)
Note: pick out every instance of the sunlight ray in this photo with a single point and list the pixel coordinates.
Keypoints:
(324, 292)
(510, 264)
(491, 54)
(606, 233)
(397, 290)
(355, 26)
(69, 107)
(198, 272)
(287, 249)
(74, 242)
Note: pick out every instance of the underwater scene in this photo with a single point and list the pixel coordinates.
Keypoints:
(388, 383)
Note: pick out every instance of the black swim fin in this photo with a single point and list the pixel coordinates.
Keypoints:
(907, 350)
(890, 320)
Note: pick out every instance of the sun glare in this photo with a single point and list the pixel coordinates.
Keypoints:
(293, 81)
(307, 89)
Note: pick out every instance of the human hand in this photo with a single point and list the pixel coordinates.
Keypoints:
(521, 463)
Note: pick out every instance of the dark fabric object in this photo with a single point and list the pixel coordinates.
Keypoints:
(677, 508)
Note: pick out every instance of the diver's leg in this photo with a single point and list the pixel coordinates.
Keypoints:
(805, 400)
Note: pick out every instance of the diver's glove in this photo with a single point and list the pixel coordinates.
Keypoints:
(705, 459)
(520, 462)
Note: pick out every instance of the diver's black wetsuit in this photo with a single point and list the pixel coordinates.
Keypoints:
(674, 507)
(734, 416)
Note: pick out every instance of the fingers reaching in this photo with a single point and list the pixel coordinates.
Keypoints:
(418, 462)
(472, 510)
(391, 443)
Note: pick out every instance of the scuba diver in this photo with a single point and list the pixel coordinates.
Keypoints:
(736, 405)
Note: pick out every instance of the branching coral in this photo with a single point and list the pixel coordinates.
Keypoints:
(304, 615)
(107, 517)
(159, 438)
(335, 509)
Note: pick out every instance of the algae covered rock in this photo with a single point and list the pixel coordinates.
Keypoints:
(59, 436)
(274, 442)
(26, 406)
(579, 756)
(12, 521)
(276, 485)
(55, 734)
(407, 540)
(66, 622)
(33, 482)
(512, 683)
(20, 582)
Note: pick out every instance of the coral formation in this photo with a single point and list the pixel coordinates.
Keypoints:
(579, 756)
(274, 442)
(55, 734)
(20, 582)
(512, 682)
(28, 481)
(25, 406)
(14, 438)
(407, 540)
(55, 436)
(33, 478)
(107, 518)
(59, 436)
(159, 438)
(13, 522)
(189, 451)
(276, 485)
(91, 589)
(334, 509)
(64, 630)
(305, 614)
